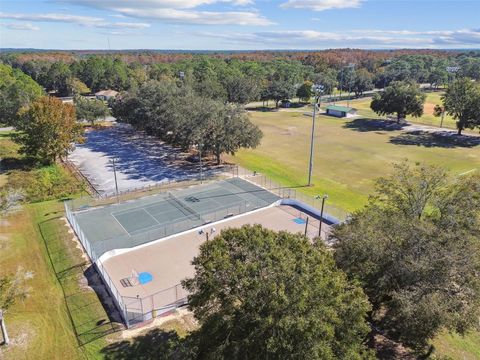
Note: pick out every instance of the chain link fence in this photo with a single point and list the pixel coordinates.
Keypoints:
(138, 310)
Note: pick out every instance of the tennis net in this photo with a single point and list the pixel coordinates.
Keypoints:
(188, 211)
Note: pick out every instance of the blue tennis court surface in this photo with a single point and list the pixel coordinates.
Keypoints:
(139, 221)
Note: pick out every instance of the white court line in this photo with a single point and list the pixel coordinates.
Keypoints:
(130, 234)
(119, 223)
(158, 223)
(467, 172)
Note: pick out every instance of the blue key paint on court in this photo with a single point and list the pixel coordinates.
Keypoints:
(144, 278)
(299, 221)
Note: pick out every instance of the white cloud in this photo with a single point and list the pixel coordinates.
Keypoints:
(311, 39)
(197, 17)
(152, 4)
(321, 5)
(88, 21)
(20, 26)
(179, 11)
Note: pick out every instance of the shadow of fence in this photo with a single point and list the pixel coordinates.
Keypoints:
(90, 310)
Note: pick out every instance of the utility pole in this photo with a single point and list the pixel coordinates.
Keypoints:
(352, 67)
(6, 340)
(318, 90)
(200, 163)
(115, 177)
(324, 197)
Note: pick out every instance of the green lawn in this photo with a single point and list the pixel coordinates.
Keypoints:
(62, 318)
(433, 98)
(349, 155)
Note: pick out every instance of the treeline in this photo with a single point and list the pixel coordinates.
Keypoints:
(177, 114)
(243, 77)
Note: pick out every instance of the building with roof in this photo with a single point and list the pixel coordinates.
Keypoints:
(340, 111)
(106, 94)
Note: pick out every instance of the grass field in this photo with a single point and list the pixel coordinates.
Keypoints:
(433, 98)
(62, 318)
(349, 155)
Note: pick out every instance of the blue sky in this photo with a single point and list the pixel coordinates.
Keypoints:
(239, 24)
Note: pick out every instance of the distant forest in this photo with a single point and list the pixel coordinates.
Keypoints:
(242, 76)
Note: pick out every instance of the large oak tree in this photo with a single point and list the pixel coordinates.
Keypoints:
(48, 129)
(462, 102)
(260, 294)
(401, 98)
(415, 248)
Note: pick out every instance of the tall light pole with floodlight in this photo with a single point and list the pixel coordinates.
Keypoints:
(324, 197)
(317, 90)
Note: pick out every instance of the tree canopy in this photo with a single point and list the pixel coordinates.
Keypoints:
(180, 117)
(415, 248)
(260, 294)
(16, 91)
(48, 128)
(401, 98)
(462, 101)
(90, 109)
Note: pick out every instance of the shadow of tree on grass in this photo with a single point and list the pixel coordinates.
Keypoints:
(368, 124)
(155, 344)
(444, 139)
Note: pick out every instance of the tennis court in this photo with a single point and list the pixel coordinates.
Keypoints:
(140, 221)
(166, 263)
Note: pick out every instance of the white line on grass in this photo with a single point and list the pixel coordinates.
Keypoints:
(467, 172)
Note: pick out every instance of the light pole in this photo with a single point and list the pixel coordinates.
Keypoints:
(452, 70)
(6, 340)
(115, 177)
(324, 197)
(352, 67)
(317, 90)
(200, 162)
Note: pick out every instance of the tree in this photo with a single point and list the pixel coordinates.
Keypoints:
(48, 129)
(279, 90)
(415, 248)
(229, 131)
(462, 101)
(90, 109)
(241, 89)
(438, 77)
(16, 91)
(402, 98)
(260, 294)
(76, 87)
(304, 92)
(362, 81)
(180, 117)
(57, 78)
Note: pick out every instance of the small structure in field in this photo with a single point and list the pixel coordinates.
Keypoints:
(340, 111)
(106, 94)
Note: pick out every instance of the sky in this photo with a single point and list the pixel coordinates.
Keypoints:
(239, 24)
